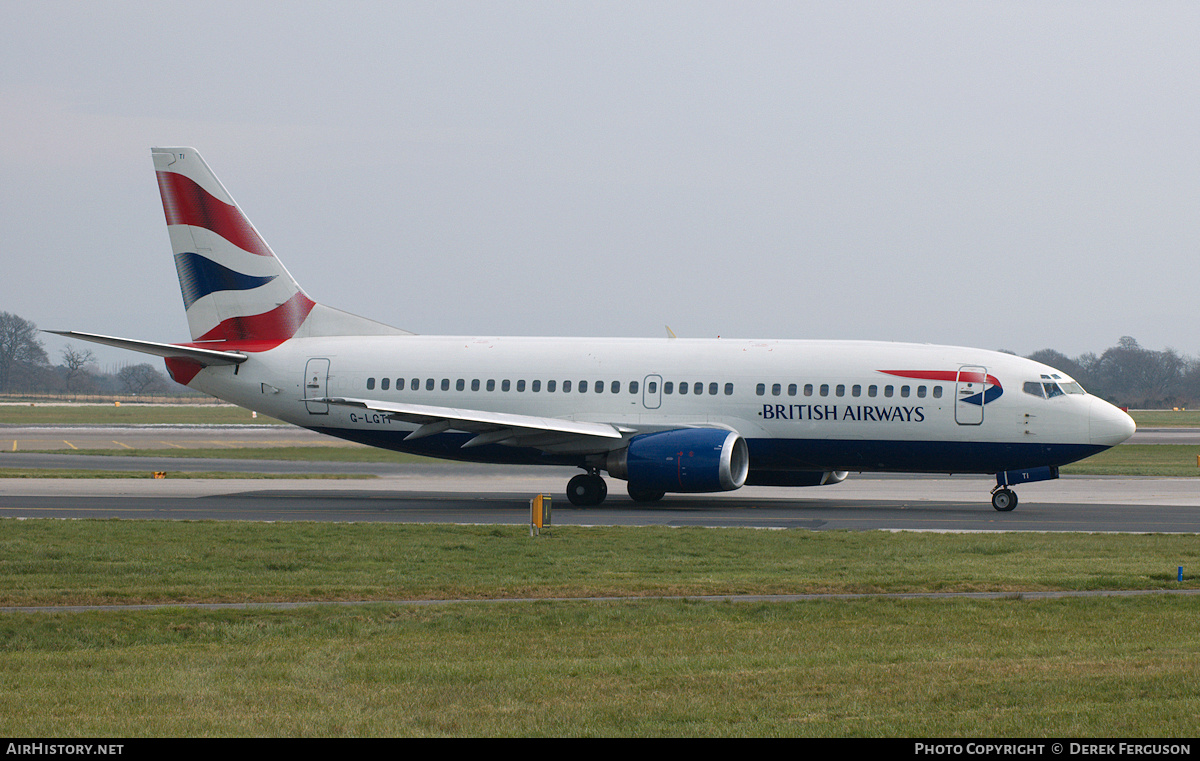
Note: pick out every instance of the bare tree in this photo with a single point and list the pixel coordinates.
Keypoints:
(20, 349)
(140, 378)
(76, 362)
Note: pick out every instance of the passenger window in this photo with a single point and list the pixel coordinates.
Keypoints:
(888, 391)
(698, 388)
(841, 390)
(384, 383)
(566, 387)
(475, 384)
(920, 392)
(616, 387)
(599, 386)
(683, 387)
(824, 389)
(520, 385)
(872, 391)
(399, 384)
(668, 387)
(808, 389)
(429, 384)
(633, 387)
(536, 386)
(712, 389)
(550, 386)
(491, 384)
(792, 389)
(370, 384)
(652, 387)
(728, 389)
(760, 389)
(583, 387)
(776, 389)
(904, 391)
(505, 384)
(415, 385)
(460, 384)
(856, 390)
(445, 384)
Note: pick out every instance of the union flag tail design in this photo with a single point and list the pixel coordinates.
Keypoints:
(235, 289)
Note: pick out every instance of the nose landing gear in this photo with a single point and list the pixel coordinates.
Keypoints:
(1004, 499)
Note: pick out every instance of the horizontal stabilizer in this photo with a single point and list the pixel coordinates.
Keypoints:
(204, 357)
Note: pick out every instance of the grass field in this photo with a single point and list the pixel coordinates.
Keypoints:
(1091, 667)
(173, 474)
(130, 414)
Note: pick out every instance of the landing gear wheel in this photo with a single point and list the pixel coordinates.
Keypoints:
(586, 490)
(640, 495)
(1004, 500)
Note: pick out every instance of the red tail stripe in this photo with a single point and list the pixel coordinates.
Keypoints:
(186, 203)
(259, 332)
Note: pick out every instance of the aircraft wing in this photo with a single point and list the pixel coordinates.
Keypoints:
(200, 356)
(547, 434)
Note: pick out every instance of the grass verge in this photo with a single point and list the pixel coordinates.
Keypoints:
(130, 414)
(171, 474)
(111, 561)
(1094, 667)
(302, 454)
(1171, 460)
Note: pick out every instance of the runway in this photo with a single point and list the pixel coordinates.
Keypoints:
(482, 494)
(449, 493)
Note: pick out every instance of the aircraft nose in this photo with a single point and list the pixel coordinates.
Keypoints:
(1109, 425)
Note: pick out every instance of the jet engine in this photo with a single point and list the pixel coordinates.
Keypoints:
(682, 460)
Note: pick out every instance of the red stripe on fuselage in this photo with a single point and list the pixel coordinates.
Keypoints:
(944, 375)
(186, 203)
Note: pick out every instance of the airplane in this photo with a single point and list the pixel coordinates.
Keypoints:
(667, 415)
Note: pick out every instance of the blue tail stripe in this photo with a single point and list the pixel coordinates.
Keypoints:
(200, 276)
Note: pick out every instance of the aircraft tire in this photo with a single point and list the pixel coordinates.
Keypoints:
(586, 490)
(638, 495)
(1004, 500)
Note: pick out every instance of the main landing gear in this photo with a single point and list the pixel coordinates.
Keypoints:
(1004, 499)
(587, 489)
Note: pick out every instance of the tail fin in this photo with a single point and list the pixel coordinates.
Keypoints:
(234, 287)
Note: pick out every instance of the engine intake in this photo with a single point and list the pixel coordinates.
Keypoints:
(683, 460)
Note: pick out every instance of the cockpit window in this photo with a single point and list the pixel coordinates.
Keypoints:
(1053, 385)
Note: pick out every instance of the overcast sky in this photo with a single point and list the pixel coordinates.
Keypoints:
(1006, 175)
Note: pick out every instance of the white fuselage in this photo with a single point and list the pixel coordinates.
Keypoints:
(800, 405)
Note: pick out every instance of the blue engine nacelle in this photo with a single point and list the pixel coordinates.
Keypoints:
(683, 460)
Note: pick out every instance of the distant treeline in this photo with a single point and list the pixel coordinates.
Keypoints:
(1127, 374)
(25, 368)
